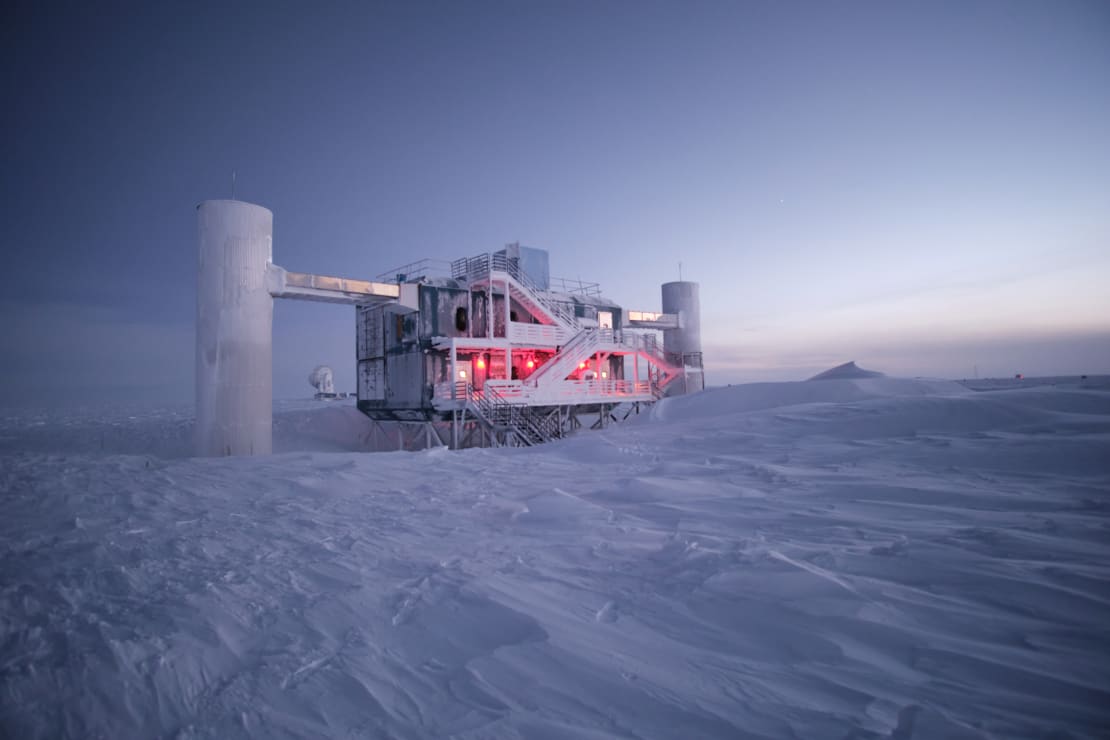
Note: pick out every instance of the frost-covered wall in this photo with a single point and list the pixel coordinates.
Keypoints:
(235, 311)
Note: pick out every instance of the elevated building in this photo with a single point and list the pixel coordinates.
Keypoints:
(488, 350)
(510, 356)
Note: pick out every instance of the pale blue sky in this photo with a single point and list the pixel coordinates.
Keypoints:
(921, 187)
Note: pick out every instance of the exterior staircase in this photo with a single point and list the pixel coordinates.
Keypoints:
(580, 348)
(520, 416)
(525, 425)
(485, 268)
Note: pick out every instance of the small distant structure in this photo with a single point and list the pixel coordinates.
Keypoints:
(1019, 376)
(323, 380)
(847, 371)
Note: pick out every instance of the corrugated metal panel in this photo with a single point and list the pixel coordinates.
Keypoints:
(371, 380)
(405, 379)
(370, 337)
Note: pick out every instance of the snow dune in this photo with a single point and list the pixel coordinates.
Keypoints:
(847, 371)
(856, 558)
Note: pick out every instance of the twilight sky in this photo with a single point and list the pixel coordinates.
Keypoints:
(921, 187)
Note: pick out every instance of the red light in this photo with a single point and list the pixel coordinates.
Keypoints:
(481, 363)
(531, 364)
(581, 366)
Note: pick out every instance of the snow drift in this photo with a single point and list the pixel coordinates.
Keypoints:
(872, 558)
(847, 371)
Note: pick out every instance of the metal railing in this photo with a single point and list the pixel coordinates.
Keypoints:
(478, 268)
(527, 424)
(580, 347)
(568, 391)
(416, 271)
(538, 335)
(575, 286)
(549, 385)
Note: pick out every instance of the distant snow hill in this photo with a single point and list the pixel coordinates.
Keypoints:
(847, 371)
(874, 559)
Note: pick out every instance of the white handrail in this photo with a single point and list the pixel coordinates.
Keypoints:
(478, 268)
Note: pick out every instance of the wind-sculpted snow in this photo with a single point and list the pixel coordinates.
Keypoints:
(884, 559)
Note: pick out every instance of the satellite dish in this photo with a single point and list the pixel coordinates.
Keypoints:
(322, 380)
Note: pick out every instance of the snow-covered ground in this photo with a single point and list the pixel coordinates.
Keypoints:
(873, 558)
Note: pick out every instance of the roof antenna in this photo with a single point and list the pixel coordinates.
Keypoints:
(233, 184)
(680, 272)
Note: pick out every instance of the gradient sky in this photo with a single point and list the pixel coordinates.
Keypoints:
(921, 187)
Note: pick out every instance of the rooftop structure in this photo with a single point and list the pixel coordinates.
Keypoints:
(487, 350)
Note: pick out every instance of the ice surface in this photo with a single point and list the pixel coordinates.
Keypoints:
(872, 558)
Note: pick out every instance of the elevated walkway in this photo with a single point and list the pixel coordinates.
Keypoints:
(323, 288)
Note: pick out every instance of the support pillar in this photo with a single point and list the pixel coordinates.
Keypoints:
(235, 312)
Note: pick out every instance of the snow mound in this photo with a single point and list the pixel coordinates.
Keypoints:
(739, 399)
(847, 371)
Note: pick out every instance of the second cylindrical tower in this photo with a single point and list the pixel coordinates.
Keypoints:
(235, 313)
(682, 346)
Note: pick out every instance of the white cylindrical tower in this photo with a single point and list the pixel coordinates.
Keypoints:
(235, 316)
(682, 346)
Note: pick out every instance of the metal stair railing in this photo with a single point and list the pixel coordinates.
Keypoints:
(663, 364)
(558, 309)
(523, 427)
(580, 347)
(478, 268)
(473, 402)
(493, 407)
(544, 428)
(662, 371)
(501, 415)
(549, 424)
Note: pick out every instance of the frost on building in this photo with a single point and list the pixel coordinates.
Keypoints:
(508, 355)
(488, 350)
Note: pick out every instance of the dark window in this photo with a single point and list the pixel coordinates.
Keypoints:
(460, 318)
